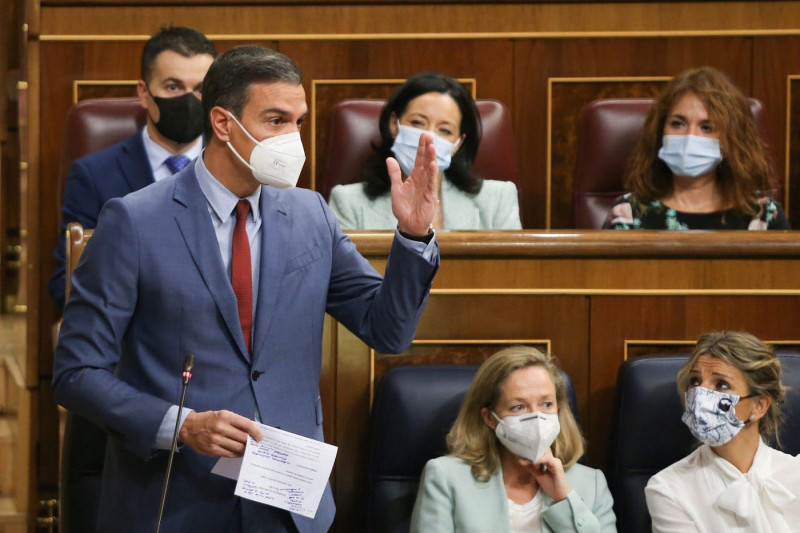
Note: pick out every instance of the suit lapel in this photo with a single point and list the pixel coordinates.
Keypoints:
(198, 233)
(134, 163)
(276, 239)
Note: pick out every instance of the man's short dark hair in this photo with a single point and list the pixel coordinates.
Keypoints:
(228, 81)
(179, 39)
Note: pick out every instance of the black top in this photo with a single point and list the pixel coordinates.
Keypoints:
(628, 212)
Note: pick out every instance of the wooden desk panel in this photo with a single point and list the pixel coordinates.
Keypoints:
(591, 298)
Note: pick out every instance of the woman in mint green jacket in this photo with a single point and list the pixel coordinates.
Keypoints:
(512, 466)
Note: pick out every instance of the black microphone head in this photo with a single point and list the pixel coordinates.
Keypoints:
(188, 363)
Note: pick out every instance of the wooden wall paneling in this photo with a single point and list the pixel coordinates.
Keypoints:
(368, 66)
(547, 19)
(535, 61)
(560, 319)
(351, 430)
(449, 352)
(776, 72)
(617, 319)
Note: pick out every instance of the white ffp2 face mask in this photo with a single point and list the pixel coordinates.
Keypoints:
(275, 161)
(689, 155)
(528, 435)
(406, 144)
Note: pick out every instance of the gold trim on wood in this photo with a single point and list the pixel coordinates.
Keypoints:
(353, 81)
(22, 85)
(615, 292)
(442, 36)
(656, 342)
(77, 84)
(590, 79)
(461, 342)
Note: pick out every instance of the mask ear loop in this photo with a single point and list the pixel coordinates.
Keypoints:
(246, 163)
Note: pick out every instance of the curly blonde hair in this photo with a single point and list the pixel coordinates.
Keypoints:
(473, 441)
(756, 360)
(745, 172)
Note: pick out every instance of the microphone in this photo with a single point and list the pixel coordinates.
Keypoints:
(188, 365)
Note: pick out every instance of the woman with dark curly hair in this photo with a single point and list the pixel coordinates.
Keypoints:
(734, 482)
(440, 105)
(699, 163)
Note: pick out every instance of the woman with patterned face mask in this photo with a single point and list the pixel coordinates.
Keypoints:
(513, 458)
(734, 482)
(699, 163)
(439, 105)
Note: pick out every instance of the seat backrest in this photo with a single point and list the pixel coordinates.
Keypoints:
(608, 132)
(648, 435)
(413, 410)
(94, 124)
(354, 131)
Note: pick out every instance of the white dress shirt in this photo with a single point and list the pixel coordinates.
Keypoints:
(705, 493)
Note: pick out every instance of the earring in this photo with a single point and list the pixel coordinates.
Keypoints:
(752, 417)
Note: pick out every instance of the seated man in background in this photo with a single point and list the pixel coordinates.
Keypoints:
(436, 103)
(174, 62)
(699, 163)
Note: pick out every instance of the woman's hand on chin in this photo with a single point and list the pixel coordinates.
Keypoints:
(551, 479)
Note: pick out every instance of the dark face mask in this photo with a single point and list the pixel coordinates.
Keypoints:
(180, 117)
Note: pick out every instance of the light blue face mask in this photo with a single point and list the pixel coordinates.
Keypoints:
(689, 155)
(406, 144)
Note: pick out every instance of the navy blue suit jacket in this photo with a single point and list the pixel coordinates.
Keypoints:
(92, 181)
(151, 287)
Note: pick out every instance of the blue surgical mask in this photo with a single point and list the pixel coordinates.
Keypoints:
(406, 144)
(711, 415)
(689, 155)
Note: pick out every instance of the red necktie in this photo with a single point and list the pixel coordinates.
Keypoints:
(241, 271)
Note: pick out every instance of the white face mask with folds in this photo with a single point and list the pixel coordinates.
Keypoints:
(528, 435)
(275, 161)
(406, 144)
(689, 155)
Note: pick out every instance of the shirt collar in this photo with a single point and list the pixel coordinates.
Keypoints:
(221, 200)
(157, 154)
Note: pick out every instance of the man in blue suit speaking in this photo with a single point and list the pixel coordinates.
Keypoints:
(174, 62)
(227, 261)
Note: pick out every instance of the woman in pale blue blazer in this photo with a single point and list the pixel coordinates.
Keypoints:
(516, 402)
(436, 103)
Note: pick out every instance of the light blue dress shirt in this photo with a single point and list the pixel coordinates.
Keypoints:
(157, 155)
(221, 207)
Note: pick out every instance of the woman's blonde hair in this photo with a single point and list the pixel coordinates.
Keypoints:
(756, 360)
(745, 172)
(473, 441)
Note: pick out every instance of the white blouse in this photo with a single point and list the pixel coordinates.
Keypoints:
(706, 494)
(526, 517)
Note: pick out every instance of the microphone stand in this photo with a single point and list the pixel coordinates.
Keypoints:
(188, 365)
